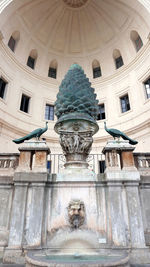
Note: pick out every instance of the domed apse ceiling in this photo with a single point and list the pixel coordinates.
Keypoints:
(75, 3)
(74, 27)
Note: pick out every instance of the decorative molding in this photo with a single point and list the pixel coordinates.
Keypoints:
(145, 3)
(3, 4)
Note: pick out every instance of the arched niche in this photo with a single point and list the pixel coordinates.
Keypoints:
(52, 72)
(117, 58)
(13, 40)
(96, 69)
(32, 58)
(136, 39)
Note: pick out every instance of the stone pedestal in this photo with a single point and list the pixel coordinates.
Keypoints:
(119, 161)
(32, 162)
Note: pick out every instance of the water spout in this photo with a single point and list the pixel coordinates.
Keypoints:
(76, 221)
(77, 255)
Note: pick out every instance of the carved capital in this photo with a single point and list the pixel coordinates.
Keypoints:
(75, 142)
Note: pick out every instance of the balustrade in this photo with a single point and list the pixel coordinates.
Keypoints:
(55, 162)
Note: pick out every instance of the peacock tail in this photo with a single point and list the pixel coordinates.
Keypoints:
(36, 133)
(131, 141)
(117, 133)
(22, 139)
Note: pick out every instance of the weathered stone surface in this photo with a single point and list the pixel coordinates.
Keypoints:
(40, 163)
(117, 233)
(140, 257)
(24, 161)
(18, 215)
(34, 215)
(120, 162)
(135, 216)
(34, 146)
(61, 195)
(5, 209)
(145, 206)
(113, 160)
(115, 175)
(121, 145)
(30, 176)
(76, 174)
(127, 159)
(33, 157)
(102, 211)
(13, 255)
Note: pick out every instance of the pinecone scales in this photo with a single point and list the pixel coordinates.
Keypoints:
(76, 94)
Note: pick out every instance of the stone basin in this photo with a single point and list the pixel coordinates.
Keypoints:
(49, 259)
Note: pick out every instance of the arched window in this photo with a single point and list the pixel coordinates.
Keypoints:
(32, 59)
(96, 69)
(14, 38)
(118, 59)
(52, 72)
(136, 39)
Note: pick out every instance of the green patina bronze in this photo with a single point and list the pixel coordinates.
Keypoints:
(116, 133)
(36, 133)
(76, 97)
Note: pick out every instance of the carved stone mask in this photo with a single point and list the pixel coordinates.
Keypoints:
(76, 213)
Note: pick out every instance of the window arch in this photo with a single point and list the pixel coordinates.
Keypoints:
(136, 39)
(13, 40)
(118, 59)
(96, 69)
(32, 58)
(52, 72)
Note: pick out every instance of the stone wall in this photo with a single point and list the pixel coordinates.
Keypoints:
(32, 213)
(35, 206)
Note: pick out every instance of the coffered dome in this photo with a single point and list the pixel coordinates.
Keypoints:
(72, 27)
